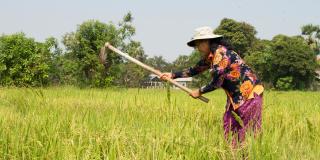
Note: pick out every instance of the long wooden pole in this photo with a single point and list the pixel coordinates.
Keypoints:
(157, 72)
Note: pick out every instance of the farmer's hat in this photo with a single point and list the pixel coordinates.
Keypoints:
(202, 33)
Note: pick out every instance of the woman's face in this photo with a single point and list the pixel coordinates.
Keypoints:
(203, 47)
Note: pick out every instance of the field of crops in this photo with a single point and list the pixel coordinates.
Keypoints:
(71, 123)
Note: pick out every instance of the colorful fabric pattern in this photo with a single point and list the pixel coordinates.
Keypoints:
(228, 71)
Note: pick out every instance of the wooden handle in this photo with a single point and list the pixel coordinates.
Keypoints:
(188, 90)
(204, 99)
(157, 72)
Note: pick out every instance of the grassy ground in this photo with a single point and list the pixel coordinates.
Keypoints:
(70, 123)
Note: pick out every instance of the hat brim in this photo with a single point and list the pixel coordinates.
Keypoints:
(192, 42)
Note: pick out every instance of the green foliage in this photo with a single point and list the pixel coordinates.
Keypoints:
(132, 75)
(312, 35)
(259, 58)
(182, 62)
(159, 63)
(284, 83)
(23, 61)
(240, 34)
(284, 57)
(84, 45)
(294, 58)
(82, 49)
(56, 63)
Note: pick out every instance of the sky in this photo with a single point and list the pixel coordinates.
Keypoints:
(163, 27)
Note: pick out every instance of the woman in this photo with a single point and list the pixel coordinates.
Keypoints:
(229, 72)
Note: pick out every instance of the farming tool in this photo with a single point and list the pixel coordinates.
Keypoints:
(103, 56)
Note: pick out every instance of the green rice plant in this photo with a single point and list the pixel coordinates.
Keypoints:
(73, 123)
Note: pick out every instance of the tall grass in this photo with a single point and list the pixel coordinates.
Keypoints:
(71, 123)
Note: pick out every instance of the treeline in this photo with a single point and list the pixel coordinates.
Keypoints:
(285, 62)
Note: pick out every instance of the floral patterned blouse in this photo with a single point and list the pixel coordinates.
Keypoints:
(229, 72)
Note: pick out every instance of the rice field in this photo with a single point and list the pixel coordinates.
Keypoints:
(72, 123)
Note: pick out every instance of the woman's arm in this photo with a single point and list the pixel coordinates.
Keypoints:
(201, 66)
(218, 74)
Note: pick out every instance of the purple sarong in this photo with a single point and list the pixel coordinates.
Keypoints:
(247, 117)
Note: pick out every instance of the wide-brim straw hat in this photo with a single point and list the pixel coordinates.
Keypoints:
(202, 33)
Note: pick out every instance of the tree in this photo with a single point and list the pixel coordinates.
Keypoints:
(285, 61)
(158, 62)
(56, 70)
(259, 57)
(312, 36)
(294, 58)
(23, 61)
(240, 34)
(131, 75)
(83, 46)
(181, 62)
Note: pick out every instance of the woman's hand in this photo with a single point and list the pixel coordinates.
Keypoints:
(195, 93)
(166, 76)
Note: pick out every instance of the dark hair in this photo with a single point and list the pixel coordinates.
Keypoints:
(214, 43)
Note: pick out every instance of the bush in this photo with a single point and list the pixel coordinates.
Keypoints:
(284, 57)
(285, 83)
(23, 61)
